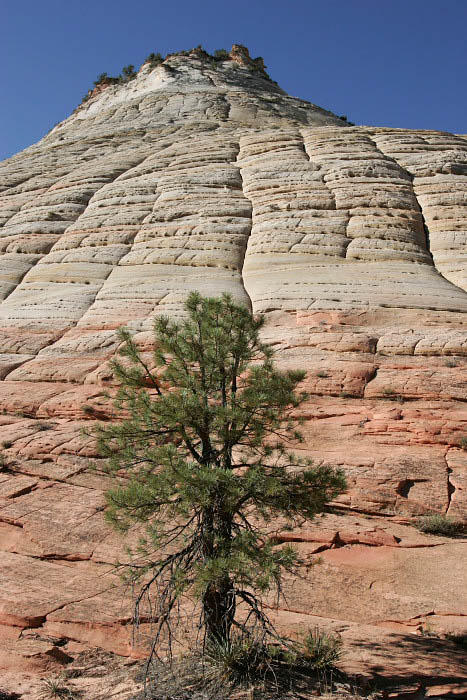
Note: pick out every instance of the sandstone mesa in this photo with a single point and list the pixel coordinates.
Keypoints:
(207, 176)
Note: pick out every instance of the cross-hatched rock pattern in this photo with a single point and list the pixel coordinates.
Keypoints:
(352, 241)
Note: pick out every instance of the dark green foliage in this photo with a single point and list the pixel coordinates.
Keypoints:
(240, 660)
(128, 73)
(322, 650)
(463, 443)
(154, 59)
(258, 64)
(267, 669)
(221, 55)
(344, 119)
(247, 659)
(197, 51)
(438, 524)
(207, 469)
(102, 78)
(42, 425)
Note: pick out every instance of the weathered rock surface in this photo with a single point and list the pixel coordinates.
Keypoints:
(352, 240)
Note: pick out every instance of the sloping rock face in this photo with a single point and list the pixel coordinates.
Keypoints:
(352, 241)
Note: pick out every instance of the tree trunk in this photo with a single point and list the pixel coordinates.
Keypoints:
(219, 597)
(219, 611)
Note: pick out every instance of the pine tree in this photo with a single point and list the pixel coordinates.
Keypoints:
(128, 72)
(202, 445)
(102, 78)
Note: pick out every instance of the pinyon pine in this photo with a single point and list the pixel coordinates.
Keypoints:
(202, 443)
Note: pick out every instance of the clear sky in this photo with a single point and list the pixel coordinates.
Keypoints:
(395, 63)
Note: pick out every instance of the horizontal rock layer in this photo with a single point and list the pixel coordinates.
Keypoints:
(351, 240)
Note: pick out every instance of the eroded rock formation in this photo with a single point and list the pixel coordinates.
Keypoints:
(352, 240)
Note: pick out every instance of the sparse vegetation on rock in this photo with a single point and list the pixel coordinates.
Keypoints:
(56, 687)
(246, 663)
(128, 73)
(321, 649)
(438, 524)
(221, 55)
(3, 462)
(239, 54)
(345, 119)
(154, 59)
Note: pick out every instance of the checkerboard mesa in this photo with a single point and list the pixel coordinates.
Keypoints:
(200, 174)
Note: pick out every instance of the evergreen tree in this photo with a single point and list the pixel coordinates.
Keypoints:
(128, 72)
(102, 78)
(202, 444)
(221, 55)
(154, 59)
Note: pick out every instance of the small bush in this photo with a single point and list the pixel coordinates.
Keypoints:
(463, 443)
(268, 670)
(56, 688)
(245, 660)
(322, 649)
(154, 59)
(53, 216)
(6, 444)
(240, 661)
(44, 426)
(438, 524)
(128, 73)
(392, 395)
(450, 363)
(102, 78)
(221, 55)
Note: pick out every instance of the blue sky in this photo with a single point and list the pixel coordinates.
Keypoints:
(381, 62)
